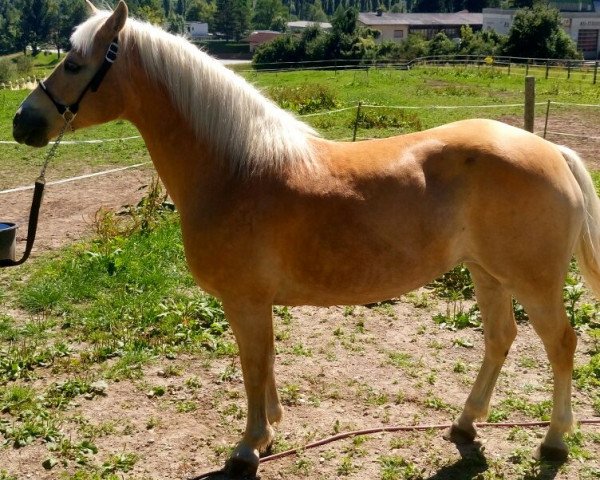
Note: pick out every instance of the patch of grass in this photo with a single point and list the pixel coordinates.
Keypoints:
(306, 98)
(290, 394)
(122, 462)
(588, 375)
(394, 467)
(456, 317)
(540, 410)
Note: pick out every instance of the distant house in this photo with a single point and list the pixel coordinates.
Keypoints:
(300, 25)
(196, 30)
(398, 26)
(259, 37)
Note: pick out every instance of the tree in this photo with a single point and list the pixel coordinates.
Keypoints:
(65, 16)
(9, 26)
(429, 6)
(441, 45)
(201, 11)
(537, 33)
(344, 20)
(265, 13)
(35, 25)
(232, 18)
(483, 42)
(316, 12)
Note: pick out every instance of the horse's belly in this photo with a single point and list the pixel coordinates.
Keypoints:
(360, 276)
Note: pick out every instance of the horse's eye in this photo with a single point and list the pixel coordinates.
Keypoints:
(71, 67)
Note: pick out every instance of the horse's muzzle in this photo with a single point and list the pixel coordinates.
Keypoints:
(30, 127)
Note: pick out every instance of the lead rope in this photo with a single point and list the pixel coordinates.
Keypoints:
(38, 195)
(370, 431)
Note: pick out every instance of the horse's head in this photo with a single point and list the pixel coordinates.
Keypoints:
(68, 93)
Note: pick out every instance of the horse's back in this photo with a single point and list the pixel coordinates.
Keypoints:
(407, 208)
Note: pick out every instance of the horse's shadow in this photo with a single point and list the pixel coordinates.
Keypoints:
(473, 462)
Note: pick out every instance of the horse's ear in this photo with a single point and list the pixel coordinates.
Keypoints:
(93, 10)
(116, 21)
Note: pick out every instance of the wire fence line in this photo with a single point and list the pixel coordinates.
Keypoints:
(80, 142)
(355, 107)
(568, 67)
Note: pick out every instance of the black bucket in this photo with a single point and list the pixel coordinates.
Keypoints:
(8, 240)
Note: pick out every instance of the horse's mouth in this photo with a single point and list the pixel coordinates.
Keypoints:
(30, 128)
(32, 138)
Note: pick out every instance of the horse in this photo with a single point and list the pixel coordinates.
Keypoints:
(273, 214)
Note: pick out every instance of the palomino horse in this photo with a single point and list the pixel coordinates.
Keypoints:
(273, 214)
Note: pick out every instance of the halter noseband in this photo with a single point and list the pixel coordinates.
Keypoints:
(68, 112)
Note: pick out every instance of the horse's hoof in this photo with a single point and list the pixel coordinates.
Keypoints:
(551, 454)
(459, 435)
(241, 468)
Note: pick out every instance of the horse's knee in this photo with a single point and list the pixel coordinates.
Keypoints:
(499, 341)
(561, 349)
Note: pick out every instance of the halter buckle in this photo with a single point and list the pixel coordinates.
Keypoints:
(111, 53)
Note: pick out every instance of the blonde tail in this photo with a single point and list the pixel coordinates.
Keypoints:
(587, 251)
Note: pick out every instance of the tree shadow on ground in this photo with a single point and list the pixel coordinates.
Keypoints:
(472, 463)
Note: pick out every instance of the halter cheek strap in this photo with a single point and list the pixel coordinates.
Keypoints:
(68, 112)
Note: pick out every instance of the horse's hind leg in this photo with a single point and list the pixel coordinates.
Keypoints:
(547, 314)
(499, 330)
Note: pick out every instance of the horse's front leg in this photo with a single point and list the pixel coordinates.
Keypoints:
(252, 326)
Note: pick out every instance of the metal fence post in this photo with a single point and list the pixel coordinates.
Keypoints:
(547, 68)
(595, 71)
(529, 103)
(547, 115)
(356, 121)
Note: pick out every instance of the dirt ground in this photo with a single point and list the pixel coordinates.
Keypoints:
(335, 373)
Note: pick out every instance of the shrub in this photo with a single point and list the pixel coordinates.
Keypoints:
(405, 121)
(24, 65)
(304, 99)
(7, 70)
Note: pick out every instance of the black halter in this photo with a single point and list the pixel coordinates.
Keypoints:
(68, 112)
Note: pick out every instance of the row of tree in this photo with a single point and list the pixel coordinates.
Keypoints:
(39, 22)
(535, 32)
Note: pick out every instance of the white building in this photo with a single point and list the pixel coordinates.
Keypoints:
(582, 26)
(196, 29)
(300, 25)
(398, 26)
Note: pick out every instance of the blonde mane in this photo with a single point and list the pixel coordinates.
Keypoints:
(246, 129)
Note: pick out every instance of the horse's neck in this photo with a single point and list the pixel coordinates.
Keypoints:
(184, 162)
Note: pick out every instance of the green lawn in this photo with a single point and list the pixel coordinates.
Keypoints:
(304, 91)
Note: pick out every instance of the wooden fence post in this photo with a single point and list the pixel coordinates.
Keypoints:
(595, 71)
(356, 121)
(529, 103)
(547, 68)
